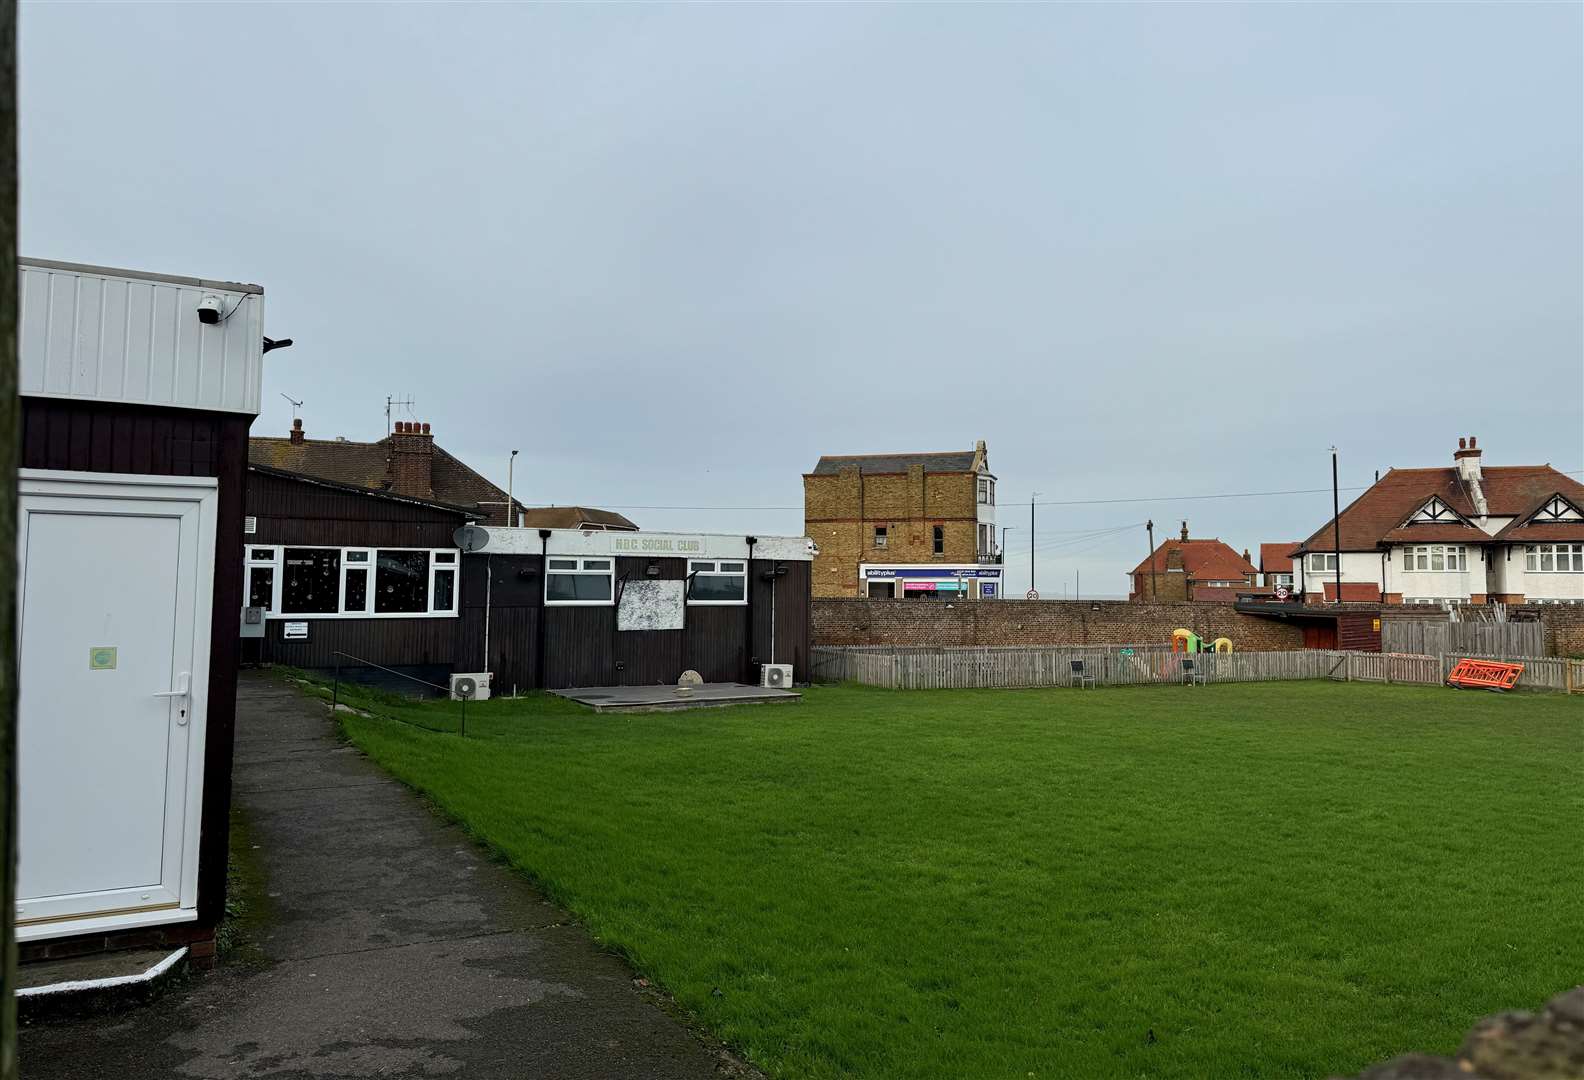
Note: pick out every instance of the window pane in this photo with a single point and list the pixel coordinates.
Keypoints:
(731, 567)
(401, 582)
(1436, 560)
(261, 586)
(445, 556)
(445, 590)
(578, 587)
(356, 589)
(1529, 559)
(262, 554)
(357, 556)
(563, 564)
(720, 587)
(596, 564)
(312, 585)
(706, 567)
(1545, 560)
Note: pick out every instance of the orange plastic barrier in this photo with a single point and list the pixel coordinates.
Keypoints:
(1484, 675)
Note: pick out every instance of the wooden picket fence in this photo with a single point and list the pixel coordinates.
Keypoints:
(1425, 637)
(1012, 667)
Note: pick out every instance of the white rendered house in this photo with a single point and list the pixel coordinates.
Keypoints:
(1468, 534)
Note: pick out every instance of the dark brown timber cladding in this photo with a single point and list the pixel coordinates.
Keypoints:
(101, 437)
(1358, 632)
(299, 511)
(584, 648)
(302, 512)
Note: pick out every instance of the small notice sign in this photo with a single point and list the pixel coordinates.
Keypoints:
(102, 658)
(1375, 625)
(295, 631)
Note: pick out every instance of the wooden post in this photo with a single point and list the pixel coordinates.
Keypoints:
(10, 441)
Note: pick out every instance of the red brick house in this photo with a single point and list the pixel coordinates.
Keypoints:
(406, 462)
(1188, 569)
(1276, 564)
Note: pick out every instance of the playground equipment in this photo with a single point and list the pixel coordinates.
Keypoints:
(1222, 644)
(1186, 641)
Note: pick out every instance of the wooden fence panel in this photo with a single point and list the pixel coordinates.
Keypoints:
(1424, 637)
(1011, 667)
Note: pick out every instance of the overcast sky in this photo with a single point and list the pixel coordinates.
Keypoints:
(675, 253)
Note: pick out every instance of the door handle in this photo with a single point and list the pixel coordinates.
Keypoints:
(183, 690)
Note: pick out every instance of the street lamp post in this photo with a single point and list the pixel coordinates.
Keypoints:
(511, 516)
(1032, 496)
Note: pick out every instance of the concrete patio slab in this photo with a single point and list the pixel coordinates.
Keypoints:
(663, 698)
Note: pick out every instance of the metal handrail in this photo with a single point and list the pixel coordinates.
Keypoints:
(335, 692)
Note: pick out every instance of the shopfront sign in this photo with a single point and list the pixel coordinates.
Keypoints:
(639, 544)
(935, 573)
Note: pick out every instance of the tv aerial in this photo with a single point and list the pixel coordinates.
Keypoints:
(295, 404)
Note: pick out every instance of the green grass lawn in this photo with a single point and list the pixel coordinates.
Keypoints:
(1265, 880)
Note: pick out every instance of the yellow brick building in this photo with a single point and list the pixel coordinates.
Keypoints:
(916, 526)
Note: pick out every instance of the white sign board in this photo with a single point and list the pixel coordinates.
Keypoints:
(651, 605)
(294, 631)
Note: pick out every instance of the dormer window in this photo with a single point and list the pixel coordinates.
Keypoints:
(986, 491)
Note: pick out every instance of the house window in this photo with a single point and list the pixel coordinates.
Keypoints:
(311, 584)
(940, 539)
(1435, 557)
(986, 538)
(1322, 561)
(401, 583)
(352, 582)
(579, 581)
(986, 491)
(1554, 558)
(261, 587)
(880, 536)
(443, 583)
(718, 582)
(1282, 579)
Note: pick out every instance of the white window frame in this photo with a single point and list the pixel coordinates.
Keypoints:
(882, 536)
(372, 566)
(453, 563)
(272, 562)
(694, 570)
(1427, 554)
(1535, 554)
(581, 567)
(1327, 561)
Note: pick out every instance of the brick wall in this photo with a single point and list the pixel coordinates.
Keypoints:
(840, 513)
(1040, 622)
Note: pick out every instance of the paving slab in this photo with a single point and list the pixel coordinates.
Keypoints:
(662, 698)
(393, 947)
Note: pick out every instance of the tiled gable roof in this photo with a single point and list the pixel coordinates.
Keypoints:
(1509, 490)
(1277, 558)
(366, 465)
(1202, 560)
(574, 517)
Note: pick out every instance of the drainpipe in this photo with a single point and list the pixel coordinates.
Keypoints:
(748, 566)
(544, 569)
(489, 582)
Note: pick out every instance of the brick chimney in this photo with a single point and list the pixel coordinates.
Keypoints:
(297, 435)
(1185, 530)
(1174, 558)
(410, 461)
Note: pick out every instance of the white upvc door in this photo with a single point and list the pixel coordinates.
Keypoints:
(116, 579)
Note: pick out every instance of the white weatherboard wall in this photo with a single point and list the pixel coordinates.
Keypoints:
(117, 335)
(647, 544)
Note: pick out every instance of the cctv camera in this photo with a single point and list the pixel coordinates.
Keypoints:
(210, 309)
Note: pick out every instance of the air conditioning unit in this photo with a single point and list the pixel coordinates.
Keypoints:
(472, 687)
(777, 676)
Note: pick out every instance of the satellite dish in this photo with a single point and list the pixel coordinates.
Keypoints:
(471, 537)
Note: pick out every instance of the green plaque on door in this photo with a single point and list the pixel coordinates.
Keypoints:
(102, 658)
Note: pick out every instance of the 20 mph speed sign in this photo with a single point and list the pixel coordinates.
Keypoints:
(1031, 595)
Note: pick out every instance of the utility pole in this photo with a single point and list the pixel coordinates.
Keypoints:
(511, 507)
(1336, 523)
(1154, 591)
(1032, 496)
(1004, 530)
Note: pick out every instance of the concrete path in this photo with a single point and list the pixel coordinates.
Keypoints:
(390, 948)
